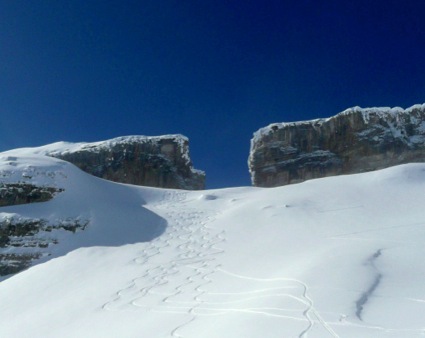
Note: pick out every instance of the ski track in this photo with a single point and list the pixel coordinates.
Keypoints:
(195, 254)
(196, 251)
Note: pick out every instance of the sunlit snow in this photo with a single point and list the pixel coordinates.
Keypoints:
(333, 257)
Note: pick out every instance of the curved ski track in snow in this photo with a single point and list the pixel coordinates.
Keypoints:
(194, 246)
(180, 285)
(300, 294)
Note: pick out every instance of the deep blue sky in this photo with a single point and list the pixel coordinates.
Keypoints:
(215, 71)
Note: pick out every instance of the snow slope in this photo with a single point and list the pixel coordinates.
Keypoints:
(333, 257)
(108, 207)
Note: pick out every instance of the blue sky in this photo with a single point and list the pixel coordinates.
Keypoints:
(215, 71)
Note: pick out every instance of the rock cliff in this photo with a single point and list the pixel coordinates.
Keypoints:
(161, 161)
(353, 141)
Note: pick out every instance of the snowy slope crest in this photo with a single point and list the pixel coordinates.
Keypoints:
(33, 169)
(157, 161)
(69, 147)
(62, 148)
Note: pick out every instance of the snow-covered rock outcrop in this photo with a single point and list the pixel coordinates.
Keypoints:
(156, 161)
(353, 141)
(33, 175)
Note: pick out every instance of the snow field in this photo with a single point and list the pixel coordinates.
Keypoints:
(334, 257)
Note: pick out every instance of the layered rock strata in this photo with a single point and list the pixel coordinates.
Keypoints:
(353, 141)
(23, 193)
(23, 240)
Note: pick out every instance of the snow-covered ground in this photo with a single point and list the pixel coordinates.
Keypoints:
(333, 257)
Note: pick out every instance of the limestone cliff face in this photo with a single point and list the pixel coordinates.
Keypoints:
(161, 161)
(356, 140)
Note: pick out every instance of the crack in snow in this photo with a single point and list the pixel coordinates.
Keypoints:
(377, 280)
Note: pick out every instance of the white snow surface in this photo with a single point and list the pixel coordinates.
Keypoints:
(69, 147)
(334, 257)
